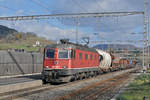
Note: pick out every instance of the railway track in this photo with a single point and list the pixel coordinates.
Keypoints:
(102, 90)
(34, 90)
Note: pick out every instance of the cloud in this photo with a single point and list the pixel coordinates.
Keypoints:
(44, 30)
(109, 28)
(19, 12)
(114, 28)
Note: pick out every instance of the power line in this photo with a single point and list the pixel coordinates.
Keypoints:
(12, 9)
(74, 15)
(99, 5)
(79, 6)
(47, 6)
(41, 5)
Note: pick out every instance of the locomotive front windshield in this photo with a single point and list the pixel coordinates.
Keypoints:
(49, 53)
(63, 54)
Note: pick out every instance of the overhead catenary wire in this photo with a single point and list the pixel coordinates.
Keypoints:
(41, 5)
(44, 3)
(11, 9)
(81, 7)
(73, 15)
(99, 5)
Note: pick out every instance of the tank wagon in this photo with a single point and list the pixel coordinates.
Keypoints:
(105, 61)
(65, 62)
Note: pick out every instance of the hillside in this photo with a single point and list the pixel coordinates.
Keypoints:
(4, 31)
(116, 46)
(12, 39)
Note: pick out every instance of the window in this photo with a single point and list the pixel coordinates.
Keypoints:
(80, 56)
(95, 57)
(73, 54)
(100, 58)
(63, 54)
(49, 53)
(91, 57)
(86, 56)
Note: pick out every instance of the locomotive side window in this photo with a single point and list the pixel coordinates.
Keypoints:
(91, 57)
(63, 54)
(95, 57)
(80, 56)
(73, 54)
(86, 56)
(49, 53)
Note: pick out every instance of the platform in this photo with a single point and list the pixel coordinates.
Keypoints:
(20, 82)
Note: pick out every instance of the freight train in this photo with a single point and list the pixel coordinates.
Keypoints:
(66, 61)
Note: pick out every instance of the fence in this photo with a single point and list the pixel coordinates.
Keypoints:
(14, 63)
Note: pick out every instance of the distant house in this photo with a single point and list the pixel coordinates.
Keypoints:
(37, 44)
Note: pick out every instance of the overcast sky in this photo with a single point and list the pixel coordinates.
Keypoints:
(107, 28)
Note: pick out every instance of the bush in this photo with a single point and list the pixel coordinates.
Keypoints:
(121, 98)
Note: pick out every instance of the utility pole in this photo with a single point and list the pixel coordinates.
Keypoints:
(77, 24)
(145, 35)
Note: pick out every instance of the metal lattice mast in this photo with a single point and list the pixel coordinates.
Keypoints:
(77, 24)
(145, 35)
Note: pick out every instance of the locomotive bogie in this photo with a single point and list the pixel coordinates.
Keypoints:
(67, 75)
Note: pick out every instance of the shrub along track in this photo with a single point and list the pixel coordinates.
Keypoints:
(103, 90)
(89, 92)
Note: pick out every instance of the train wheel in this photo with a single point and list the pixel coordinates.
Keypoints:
(75, 77)
(71, 78)
(44, 81)
(94, 74)
(84, 75)
(81, 76)
(87, 75)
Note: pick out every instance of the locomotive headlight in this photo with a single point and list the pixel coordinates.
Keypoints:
(64, 67)
(55, 62)
(47, 66)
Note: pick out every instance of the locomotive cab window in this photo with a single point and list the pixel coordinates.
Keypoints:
(63, 54)
(49, 53)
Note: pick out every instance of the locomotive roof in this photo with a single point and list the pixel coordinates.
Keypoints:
(75, 46)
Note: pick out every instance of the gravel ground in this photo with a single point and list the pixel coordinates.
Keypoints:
(119, 91)
(19, 79)
(61, 91)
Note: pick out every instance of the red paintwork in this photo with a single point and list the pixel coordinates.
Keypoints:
(124, 61)
(78, 63)
(72, 62)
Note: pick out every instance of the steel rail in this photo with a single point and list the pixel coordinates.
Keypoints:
(26, 92)
(74, 94)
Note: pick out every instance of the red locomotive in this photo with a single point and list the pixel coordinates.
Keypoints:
(66, 62)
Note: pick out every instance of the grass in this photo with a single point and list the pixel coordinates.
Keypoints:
(27, 44)
(139, 88)
(18, 46)
(148, 69)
